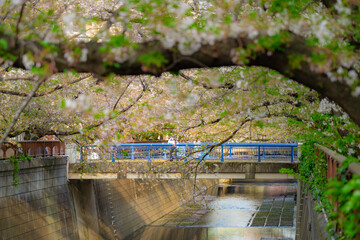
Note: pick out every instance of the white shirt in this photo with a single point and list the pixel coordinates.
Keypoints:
(172, 141)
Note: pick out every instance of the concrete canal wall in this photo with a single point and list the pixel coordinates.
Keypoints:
(41, 206)
(47, 206)
(310, 224)
(124, 206)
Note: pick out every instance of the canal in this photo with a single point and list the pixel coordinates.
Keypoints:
(231, 210)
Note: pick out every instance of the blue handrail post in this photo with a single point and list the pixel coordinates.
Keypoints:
(263, 155)
(222, 152)
(165, 152)
(185, 154)
(259, 158)
(113, 152)
(81, 153)
(230, 152)
(149, 156)
(132, 152)
(292, 154)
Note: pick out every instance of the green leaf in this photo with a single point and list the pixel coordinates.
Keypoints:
(3, 44)
(118, 41)
(153, 58)
(62, 104)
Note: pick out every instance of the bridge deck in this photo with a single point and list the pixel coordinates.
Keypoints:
(164, 169)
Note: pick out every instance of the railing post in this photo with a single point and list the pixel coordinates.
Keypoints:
(149, 156)
(222, 152)
(292, 154)
(230, 152)
(132, 152)
(263, 155)
(81, 153)
(165, 152)
(113, 152)
(259, 158)
(185, 154)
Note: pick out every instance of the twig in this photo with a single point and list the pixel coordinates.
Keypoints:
(247, 119)
(122, 93)
(4, 79)
(57, 87)
(226, 85)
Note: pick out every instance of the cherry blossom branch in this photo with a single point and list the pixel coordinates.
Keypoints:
(265, 104)
(21, 108)
(56, 88)
(42, 132)
(223, 55)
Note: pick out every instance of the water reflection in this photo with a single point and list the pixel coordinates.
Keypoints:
(227, 213)
(200, 233)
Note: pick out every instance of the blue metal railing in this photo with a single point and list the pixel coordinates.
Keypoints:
(183, 151)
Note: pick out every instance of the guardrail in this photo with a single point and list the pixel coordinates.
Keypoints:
(334, 162)
(182, 151)
(32, 149)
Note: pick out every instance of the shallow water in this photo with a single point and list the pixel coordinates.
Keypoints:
(236, 210)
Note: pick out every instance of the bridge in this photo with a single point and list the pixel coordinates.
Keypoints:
(205, 160)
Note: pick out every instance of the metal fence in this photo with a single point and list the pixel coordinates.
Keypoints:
(32, 149)
(184, 151)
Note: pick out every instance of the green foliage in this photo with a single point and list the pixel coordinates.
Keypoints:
(295, 61)
(15, 161)
(293, 7)
(259, 124)
(118, 41)
(312, 171)
(346, 193)
(342, 135)
(3, 44)
(3, 53)
(275, 42)
(154, 58)
(333, 132)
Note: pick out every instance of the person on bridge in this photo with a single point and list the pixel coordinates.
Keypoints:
(172, 141)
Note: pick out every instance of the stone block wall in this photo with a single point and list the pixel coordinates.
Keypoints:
(40, 207)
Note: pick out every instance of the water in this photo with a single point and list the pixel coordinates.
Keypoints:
(236, 210)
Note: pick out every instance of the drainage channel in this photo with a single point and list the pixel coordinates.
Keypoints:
(235, 210)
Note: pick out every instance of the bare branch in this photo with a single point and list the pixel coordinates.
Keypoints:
(122, 93)
(247, 119)
(226, 85)
(18, 22)
(56, 88)
(137, 99)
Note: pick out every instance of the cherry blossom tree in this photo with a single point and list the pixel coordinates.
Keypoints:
(314, 43)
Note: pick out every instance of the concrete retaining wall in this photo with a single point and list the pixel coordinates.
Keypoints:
(46, 206)
(40, 207)
(310, 224)
(123, 206)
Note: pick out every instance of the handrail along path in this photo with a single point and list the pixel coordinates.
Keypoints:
(184, 151)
